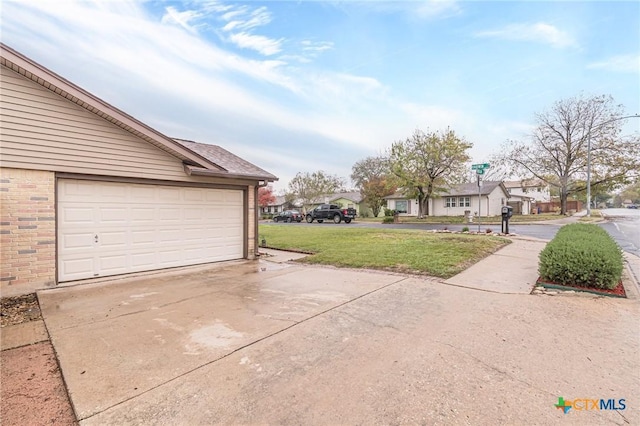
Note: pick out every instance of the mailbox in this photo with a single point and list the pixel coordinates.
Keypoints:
(507, 212)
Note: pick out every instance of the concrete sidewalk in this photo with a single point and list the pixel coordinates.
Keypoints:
(511, 270)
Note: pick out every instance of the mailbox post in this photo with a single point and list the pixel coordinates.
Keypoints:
(507, 212)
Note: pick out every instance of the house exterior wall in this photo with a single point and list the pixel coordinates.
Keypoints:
(491, 205)
(412, 206)
(43, 131)
(538, 193)
(27, 216)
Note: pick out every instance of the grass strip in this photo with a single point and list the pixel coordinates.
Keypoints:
(413, 251)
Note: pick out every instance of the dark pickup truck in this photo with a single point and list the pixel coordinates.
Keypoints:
(331, 212)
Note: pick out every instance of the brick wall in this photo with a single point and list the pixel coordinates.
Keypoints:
(27, 231)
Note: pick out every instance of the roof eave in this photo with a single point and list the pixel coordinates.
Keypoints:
(197, 171)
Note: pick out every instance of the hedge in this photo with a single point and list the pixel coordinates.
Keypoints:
(582, 255)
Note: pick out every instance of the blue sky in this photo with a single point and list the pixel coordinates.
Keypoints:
(306, 85)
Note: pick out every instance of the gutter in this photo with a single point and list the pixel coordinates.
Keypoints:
(198, 171)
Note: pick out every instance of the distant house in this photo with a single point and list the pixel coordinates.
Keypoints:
(278, 205)
(457, 201)
(532, 188)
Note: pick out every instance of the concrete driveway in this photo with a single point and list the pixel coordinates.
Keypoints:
(248, 342)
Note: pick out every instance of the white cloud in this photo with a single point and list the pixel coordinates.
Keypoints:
(261, 44)
(316, 46)
(181, 18)
(539, 32)
(619, 63)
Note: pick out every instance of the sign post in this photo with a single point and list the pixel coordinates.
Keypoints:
(480, 168)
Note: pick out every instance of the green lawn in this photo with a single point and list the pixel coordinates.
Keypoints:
(441, 255)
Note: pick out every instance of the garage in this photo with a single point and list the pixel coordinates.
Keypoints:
(111, 228)
(87, 190)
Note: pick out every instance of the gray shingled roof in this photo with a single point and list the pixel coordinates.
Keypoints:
(470, 188)
(356, 197)
(226, 160)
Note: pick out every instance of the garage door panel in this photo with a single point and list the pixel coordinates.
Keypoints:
(147, 259)
(168, 194)
(144, 227)
(77, 241)
(113, 240)
(118, 215)
(113, 264)
(77, 268)
(74, 215)
(143, 214)
(170, 215)
(143, 237)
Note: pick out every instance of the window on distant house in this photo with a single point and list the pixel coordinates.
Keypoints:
(464, 202)
(402, 206)
(450, 201)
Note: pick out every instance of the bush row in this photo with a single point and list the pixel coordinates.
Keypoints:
(582, 255)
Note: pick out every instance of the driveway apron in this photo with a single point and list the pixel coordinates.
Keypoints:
(258, 343)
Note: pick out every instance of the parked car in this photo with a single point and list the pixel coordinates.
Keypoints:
(331, 212)
(288, 216)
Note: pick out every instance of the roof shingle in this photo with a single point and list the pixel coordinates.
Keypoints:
(226, 160)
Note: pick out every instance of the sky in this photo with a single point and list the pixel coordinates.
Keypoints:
(300, 86)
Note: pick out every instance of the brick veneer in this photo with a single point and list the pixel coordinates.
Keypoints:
(27, 231)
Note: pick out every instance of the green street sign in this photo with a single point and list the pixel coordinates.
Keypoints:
(480, 166)
(480, 171)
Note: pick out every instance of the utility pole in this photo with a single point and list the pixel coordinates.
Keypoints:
(479, 168)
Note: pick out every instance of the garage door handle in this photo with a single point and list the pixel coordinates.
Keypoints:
(96, 238)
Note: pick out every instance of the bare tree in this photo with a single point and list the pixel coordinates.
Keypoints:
(427, 163)
(557, 151)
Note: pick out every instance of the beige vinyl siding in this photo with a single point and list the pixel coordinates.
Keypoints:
(43, 131)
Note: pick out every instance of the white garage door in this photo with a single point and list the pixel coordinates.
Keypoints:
(107, 228)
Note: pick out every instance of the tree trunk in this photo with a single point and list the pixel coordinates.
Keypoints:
(423, 207)
(563, 201)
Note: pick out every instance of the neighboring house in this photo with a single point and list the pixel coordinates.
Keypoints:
(532, 188)
(457, 201)
(89, 191)
(278, 205)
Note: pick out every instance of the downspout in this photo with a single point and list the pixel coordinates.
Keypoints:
(261, 184)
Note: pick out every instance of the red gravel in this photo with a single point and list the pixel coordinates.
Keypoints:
(32, 391)
(617, 291)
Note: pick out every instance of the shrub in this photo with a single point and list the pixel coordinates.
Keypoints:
(388, 212)
(387, 219)
(465, 229)
(583, 255)
(364, 213)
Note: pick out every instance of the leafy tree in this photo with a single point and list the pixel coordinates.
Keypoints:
(426, 163)
(265, 196)
(557, 151)
(372, 176)
(309, 186)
